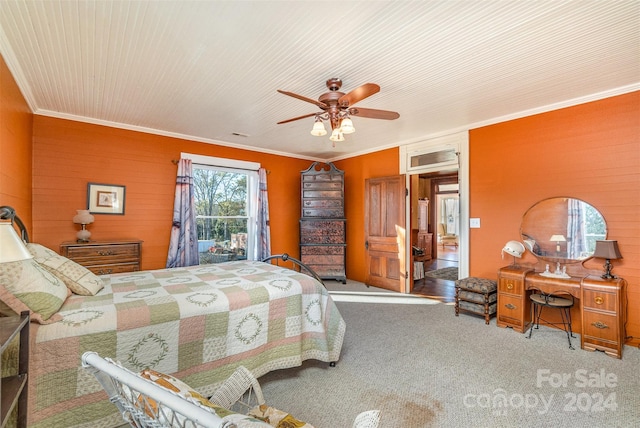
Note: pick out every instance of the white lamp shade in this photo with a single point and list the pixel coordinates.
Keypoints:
(336, 135)
(346, 126)
(83, 217)
(557, 238)
(12, 249)
(318, 129)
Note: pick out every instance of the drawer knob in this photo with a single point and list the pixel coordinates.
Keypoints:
(510, 306)
(307, 203)
(105, 253)
(510, 286)
(599, 324)
(105, 272)
(599, 300)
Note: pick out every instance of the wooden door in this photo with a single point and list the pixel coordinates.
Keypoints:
(385, 232)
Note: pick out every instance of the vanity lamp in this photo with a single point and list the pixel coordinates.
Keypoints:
(608, 250)
(12, 247)
(557, 239)
(83, 218)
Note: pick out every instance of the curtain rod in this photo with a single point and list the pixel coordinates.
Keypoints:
(176, 161)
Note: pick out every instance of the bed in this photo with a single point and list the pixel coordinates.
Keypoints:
(197, 323)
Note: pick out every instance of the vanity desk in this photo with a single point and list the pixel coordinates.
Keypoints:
(601, 305)
(563, 232)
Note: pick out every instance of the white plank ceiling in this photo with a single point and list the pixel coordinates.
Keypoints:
(207, 70)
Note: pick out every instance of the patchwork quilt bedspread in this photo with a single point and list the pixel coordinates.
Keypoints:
(197, 323)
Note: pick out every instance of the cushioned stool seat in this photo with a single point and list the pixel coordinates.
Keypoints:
(477, 296)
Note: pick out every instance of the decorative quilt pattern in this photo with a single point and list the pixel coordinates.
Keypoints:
(197, 323)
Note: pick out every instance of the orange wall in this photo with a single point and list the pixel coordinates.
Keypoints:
(590, 151)
(356, 170)
(16, 123)
(67, 155)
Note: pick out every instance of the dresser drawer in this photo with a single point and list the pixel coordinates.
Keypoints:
(599, 300)
(510, 310)
(597, 325)
(322, 185)
(114, 268)
(510, 286)
(101, 253)
(322, 232)
(318, 250)
(320, 193)
(329, 177)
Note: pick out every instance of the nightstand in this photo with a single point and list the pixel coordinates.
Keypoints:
(13, 389)
(105, 257)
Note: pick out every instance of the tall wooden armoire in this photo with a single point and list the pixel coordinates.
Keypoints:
(323, 240)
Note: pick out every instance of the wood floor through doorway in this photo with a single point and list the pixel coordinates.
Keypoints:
(435, 288)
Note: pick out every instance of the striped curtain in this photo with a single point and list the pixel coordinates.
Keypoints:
(183, 247)
(263, 243)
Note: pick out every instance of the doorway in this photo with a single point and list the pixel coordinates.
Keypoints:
(443, 155)
(442, 269)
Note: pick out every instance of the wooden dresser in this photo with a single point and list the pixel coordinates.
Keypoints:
(601, 303)
(105, 257)
(322, 223)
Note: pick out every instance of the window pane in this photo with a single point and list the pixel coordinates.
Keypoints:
(221, 214)
(220, 193)
(221, 239)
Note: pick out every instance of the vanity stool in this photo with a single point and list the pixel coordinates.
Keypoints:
(564, 303)
(477, 296)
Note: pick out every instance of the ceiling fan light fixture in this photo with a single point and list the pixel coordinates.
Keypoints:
(336, 135)
(346, 126)
(318, 129)
(337, 107)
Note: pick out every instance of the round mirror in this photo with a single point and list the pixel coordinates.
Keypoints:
(562, 230)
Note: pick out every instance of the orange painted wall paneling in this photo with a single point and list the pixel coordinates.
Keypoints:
(67, 155)
(379, 164)
(590, 151)
(15, 147)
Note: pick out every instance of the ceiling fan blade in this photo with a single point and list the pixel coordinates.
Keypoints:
(373, 113)
(297, 118)
(358, 94)
(300, 97)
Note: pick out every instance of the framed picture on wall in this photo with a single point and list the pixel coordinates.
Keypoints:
(105, 198)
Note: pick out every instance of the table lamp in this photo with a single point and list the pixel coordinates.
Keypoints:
(607, 249)
(557, 239)
(12, 247)
(83, 218)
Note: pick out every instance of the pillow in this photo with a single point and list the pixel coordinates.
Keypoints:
(276, 418)
(183, 390)
(25, 285)
(78, 278)
(180, 388)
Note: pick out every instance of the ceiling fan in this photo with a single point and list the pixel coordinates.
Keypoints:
(337, 108)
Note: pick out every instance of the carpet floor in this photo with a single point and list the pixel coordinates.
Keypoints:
(423, 367)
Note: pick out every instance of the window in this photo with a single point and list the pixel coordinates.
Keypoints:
(226, 208)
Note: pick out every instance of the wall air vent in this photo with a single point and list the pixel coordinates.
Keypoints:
(433, 158)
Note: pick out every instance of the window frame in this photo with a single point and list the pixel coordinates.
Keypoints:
(240, 167)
